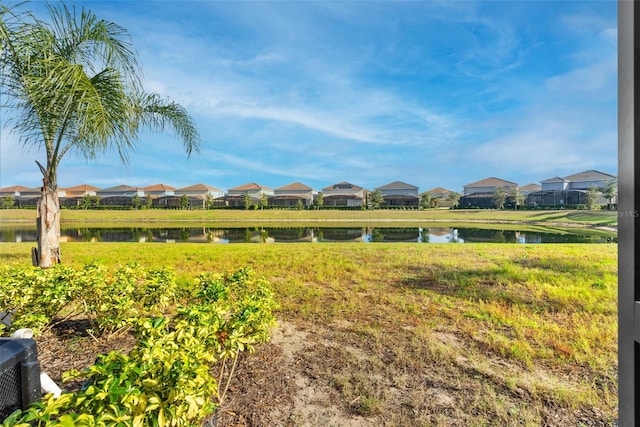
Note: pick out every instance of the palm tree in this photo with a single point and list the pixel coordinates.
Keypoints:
(74, 85)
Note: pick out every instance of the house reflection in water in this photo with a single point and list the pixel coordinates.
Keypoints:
(259, 234)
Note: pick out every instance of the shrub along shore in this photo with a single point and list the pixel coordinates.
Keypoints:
(474, 334)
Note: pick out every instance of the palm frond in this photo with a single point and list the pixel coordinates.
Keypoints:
(158, 114)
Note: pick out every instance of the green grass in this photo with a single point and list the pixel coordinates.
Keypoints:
(510, 333)
(584, 218)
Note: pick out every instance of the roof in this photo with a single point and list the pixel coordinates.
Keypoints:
(118, 188)
(250, 186)
(295, 186)
(15, 188)
(397, 185)
(554, 179)
(83, 187)
(530, 187)
(158, 187)
(199, 187)
(490, 182)
(590, 175)
(342, 186)
(438, 190)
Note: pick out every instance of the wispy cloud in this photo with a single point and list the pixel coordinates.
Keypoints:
(431, 93)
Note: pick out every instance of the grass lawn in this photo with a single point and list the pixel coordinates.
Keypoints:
(405, 334)
(571, 217)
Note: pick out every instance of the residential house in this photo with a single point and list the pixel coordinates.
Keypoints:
(162, 196)
(158, 190)
(399, 193)
(200, 190)
(440, 197)
(571, 189)
(291, 194)
(236, 196)
(198, 196)
(344, 194)
(529, 188)
(74, 196)
(587, 179)
(23, 196)
(481, 193)
(120, 195)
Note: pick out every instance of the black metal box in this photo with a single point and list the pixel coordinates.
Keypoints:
(19, 375)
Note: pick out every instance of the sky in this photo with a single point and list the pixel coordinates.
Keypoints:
(433, 94)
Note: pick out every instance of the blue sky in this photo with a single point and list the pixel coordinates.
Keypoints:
(435, 94)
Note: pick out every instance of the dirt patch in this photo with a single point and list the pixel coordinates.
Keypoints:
(272, 388)
(336, 375)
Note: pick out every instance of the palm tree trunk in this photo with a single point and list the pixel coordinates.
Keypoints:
(48, 223)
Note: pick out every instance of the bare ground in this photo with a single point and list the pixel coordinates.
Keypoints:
(311, 375)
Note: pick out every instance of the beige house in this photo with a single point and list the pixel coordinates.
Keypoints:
(73, 196)
(200, 190)
(158, 190)
(235, 196)
(289, 195)
(440, 197)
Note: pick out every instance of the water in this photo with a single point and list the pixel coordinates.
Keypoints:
(361, 234)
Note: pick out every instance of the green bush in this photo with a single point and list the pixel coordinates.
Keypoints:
(166, 379)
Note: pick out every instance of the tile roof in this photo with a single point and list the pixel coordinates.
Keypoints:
(490, 182)
(158, 187)
(398, 185)
(16, 188)
(250, 186)
(295, 186)
(122, 187)
(83, 187)
(199, 187)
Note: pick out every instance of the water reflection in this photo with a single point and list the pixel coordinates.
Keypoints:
(307, 234)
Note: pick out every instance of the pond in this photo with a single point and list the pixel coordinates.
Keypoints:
(362, 234)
